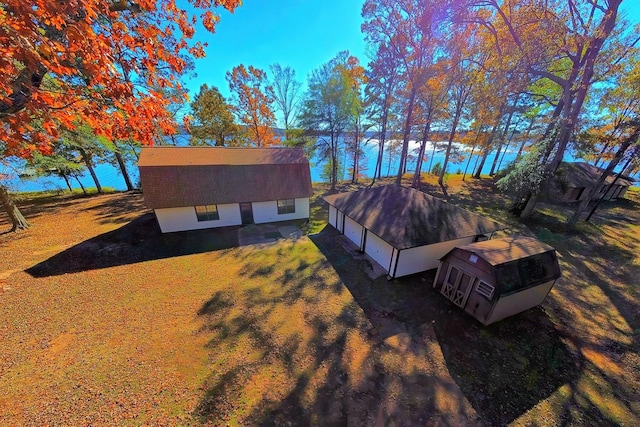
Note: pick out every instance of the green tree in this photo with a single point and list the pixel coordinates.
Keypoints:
(327, 109)
(212, 118)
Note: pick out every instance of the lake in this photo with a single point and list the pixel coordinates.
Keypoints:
(110, 176)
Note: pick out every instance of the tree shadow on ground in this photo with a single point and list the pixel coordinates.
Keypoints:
(138, 241)
(503, 370)
(290, 346)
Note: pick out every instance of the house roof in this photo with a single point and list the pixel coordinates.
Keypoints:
(507, 249)
(220, 156)
(191, 176)
(582, 174)
(406, 218)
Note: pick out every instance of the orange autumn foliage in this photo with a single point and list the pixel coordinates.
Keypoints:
(98, 62)
(253, 97)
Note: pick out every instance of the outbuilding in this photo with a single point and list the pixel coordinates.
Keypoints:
(405, 230)
(498, 278)
(192, 188)
(573, 180)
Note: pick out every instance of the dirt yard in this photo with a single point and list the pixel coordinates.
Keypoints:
(105, 321)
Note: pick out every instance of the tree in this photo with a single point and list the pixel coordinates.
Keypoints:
(252, 99)
(381, 81)
(548, 38)
(63, 62)
(410, 30)
(327, 108)
(286, 92)
(621, 102)
(62, 162)
(213, 119)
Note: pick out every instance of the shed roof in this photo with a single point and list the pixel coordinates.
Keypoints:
(191, 176)
(507, 249)
(406, 218)
(582, 174)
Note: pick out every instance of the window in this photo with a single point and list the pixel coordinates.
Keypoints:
(485, 289)
(286, 206)
(207, 213)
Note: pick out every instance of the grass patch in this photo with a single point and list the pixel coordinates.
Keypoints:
(108, 322)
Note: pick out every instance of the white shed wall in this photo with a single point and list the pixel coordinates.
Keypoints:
(519, 302)
(268, 211)
(423, 258)
(378, 249)
(332, 216)
(184, 218)
(353, 231)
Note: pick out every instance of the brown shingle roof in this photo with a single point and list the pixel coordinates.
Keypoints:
(407, 218)
(507, 249)
(582, 174)
(190, 176)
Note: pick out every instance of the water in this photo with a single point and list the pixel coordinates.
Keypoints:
(110, 176)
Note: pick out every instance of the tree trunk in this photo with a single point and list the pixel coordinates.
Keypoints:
(334, 162)
(506, 148)
(406, 136)
(524, 139)
(423, 146)
(123, 169)
(502, 137)
(66, 181)
(470, 157)
(87, 161)
(486, 150)
(530, 205)
(84, 190)
(18, 221)
(452, 134)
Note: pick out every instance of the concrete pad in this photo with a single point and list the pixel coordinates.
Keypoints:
(290, 232)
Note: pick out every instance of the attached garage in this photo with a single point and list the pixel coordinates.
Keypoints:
(405, 230)
(498, 278)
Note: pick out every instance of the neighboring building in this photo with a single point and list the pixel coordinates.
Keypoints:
(190, 188)
(498, 278)
(405, 230)
(573, 181)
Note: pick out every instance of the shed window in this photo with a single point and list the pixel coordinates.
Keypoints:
(525, 273)
(286, 206)
(485, 289)
(207, 213)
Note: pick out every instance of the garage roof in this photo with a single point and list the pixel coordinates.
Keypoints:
(406, 218)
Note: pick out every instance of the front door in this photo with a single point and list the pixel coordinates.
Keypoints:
(246, 213)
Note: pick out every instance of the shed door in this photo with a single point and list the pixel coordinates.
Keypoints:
(457, 286)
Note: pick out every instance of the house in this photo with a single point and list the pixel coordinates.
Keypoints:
(498, 278)
(405, 230)
(191, 188)
(573, 181)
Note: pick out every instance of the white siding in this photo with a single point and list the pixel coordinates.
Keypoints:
(182, 219)
(339, 221)
(519, 302)
(353, 231)
(332, 216)
(268, 211)
(423, 258)
(378, 249)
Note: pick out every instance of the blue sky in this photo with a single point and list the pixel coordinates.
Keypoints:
(302, 34)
